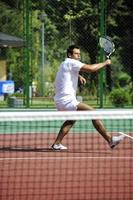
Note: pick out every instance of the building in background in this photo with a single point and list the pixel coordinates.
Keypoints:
(6, 82)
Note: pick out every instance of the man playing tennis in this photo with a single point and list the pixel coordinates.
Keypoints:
(65, 95)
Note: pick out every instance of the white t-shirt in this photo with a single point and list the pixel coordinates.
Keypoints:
(67, 80)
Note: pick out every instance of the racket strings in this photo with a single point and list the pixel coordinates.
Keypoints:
(107, 45)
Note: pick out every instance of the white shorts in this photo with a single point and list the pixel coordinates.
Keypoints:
(67, 106)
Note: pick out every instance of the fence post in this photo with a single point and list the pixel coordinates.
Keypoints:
(101, 57)
(27, 19)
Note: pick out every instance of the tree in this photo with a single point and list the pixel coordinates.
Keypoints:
(70, 22)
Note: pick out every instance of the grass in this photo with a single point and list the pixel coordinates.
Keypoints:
(47, 102)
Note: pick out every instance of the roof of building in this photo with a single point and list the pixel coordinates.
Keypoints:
(7, 40)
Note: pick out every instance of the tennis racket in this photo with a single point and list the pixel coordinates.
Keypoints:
(107, 45)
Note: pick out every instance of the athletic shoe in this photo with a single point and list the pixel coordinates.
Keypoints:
(58, 147)
(116, 140)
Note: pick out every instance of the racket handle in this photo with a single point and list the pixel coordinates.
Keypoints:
(107, 56)
(109, 75)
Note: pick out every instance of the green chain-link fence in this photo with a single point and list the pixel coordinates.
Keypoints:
(47, 28)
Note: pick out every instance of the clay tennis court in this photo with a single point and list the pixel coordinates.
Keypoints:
(88, 170)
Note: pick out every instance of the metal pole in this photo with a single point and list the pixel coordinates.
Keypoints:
(42, 61)
(27, 50)
(102, 33)
(42, 18)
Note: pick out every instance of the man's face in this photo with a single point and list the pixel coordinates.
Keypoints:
(76, 54)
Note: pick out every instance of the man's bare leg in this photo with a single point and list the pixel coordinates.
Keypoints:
(67, 125)
(97, 123)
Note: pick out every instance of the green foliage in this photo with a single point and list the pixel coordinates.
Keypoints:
(124, 79)
(51, 70)
(17, 95)
(15, 65)
(119, 97)
(49, 78)
(10, 18)
(68, 22)
(132, 98)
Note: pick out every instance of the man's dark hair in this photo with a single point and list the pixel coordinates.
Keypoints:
(70, 49)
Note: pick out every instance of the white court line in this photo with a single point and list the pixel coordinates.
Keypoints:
(63, 158)
(126, 135)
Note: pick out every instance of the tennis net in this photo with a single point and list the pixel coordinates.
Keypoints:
(88, 170)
